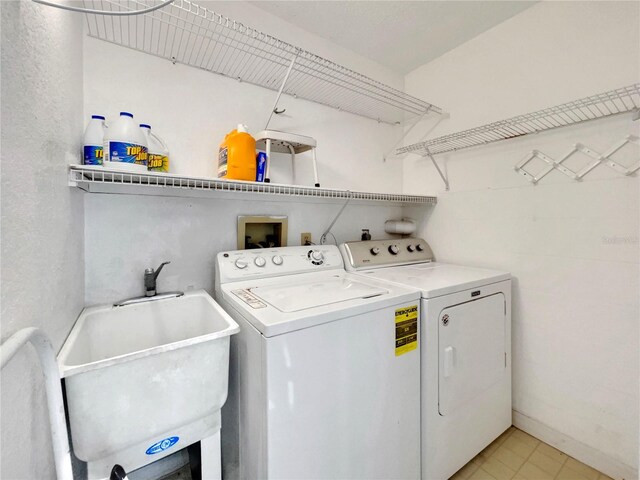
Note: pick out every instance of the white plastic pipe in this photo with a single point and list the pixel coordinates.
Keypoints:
(49, 366)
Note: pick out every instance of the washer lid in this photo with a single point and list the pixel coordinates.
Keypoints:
(294, 297)
(279, 305)
(436, 279)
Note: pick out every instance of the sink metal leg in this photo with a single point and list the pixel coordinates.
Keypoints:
(211, 463)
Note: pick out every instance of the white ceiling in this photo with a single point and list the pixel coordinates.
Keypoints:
(401, 35)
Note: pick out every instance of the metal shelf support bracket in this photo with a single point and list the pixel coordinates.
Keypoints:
(441, 115)
(442, 175)
(284, 82)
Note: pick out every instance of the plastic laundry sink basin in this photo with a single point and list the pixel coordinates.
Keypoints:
(145, 380)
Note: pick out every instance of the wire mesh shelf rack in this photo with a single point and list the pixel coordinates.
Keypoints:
(187, 33)
(97, 179)
(613, 102)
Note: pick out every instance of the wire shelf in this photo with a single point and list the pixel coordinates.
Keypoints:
(622, 100)
(186, 33)
(97, 179)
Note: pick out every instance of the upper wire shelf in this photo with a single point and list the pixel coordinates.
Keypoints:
(97, 179)
(186, 33)
(613, 102)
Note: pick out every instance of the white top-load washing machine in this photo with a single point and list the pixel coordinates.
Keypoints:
(465, 342)
(325, 372)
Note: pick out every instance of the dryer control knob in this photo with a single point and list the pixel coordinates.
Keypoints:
(411, 248)
(393, 249)
(277, 260)
(260, 261)
(375, 251)
(419, 247)
(317, 255)
(241, 263)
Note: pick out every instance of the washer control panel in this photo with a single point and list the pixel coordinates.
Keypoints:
(385, 253)
(242, 264)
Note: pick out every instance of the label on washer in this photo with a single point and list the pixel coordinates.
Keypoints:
(406, 329)
(249, 298)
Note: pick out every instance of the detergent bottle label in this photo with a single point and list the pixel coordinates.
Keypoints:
(158, 163)
(92, 155)
(261, 166)
(128, 153)
(222, 162)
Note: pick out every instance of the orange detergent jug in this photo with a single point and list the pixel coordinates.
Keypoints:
(237, 156)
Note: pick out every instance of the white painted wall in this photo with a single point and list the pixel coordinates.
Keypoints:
(42, 218)
(193, 110)
(572, 247)
(131, 233)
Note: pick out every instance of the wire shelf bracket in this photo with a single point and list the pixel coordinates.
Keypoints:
(97, 179)
(445, 178)
(621, 100)
(184, 32)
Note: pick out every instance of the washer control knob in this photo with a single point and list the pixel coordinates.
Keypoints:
(260, 261)
(375, 251)
(277, 260)
(317, 255)
(241, 263)
(393, 249)
(411, 248)
(419, 247)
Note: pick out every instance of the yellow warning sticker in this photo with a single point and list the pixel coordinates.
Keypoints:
(406, 329)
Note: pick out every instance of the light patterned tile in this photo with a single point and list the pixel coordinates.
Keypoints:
(457, 476)
(545, 463)
(487, 452)
(530, 459)
(481, 475)
(519, 447)
(531, 472)
(568, 474)
(525, 437)
(508, 457)
(466, 471)
(554, 453)
(581, 468)
(506, 434)
(497, 469)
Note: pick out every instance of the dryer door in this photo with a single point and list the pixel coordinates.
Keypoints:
(472, 358)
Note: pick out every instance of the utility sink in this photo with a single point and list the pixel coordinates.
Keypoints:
(145, 380)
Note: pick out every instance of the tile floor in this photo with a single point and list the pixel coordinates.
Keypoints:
(519, 456)
(514, 455)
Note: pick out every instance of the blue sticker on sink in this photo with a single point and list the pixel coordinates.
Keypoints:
(162, 445)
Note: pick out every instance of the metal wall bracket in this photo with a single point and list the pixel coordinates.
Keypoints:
(275, 110)
(393, 152)
(442, 175)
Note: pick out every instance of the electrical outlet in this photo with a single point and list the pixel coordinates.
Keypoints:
(305, 238)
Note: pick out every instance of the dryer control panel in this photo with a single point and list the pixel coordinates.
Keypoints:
(385, 253)
(272, 262)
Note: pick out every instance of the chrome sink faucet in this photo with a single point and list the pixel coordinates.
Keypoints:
(150, 277)
(150, 294)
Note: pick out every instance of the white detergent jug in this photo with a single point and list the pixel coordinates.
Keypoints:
(92, 145)
(125, 146)
(158, 159)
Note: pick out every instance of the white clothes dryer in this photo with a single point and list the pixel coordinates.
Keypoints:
(325, 372)
(466, 347)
